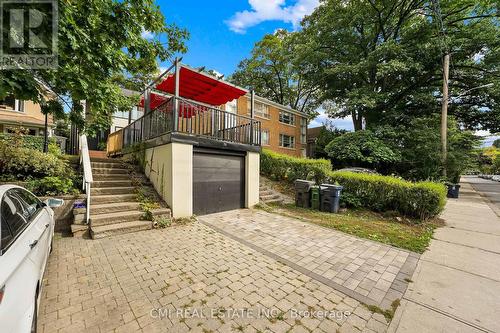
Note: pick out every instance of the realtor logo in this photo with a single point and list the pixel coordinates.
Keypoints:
(28, 34)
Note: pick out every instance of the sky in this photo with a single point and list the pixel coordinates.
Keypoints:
(223, 33)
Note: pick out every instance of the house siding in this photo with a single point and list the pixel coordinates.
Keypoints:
(275, 128)
(30, 117)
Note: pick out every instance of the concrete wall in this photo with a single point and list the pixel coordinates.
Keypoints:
(170, 169)
(252, 177)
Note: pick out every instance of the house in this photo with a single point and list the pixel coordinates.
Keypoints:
(16, 114)
(119, 120)
(284, 130)
(312, 138)
(200, 159)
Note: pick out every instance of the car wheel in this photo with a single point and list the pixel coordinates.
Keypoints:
(35, 315)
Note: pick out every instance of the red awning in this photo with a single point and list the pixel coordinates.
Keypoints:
(198, 87)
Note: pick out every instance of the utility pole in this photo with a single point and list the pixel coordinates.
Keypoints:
(444, 112)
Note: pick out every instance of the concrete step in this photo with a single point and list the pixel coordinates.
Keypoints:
(269, 197)
(118, 217)
(108, 207)
(119, 176)
(105, 160)
(112, 183)
(79, 230)
(108, 165)
(109, 230)
(109, 171)
(112, 198)
(265, 192)
(277, 200)
(112, 190)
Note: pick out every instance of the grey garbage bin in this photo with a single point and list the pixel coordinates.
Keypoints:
(330, 198)
(302, 193)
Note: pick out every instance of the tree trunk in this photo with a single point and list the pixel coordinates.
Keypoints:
(357, 120)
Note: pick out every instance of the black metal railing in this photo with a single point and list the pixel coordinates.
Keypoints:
(193, 119)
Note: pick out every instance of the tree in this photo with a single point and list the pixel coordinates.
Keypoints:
(379, 61)
(327, 133)
(101, 47)
(361, 149)
(271, 72)
(496, 143)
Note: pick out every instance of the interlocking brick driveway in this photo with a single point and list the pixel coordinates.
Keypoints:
(124, 283)
(370, 272)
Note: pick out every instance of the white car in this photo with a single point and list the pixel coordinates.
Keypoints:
(27, 228)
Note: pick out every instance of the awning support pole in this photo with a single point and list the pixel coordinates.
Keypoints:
(252, 105)
(176, 95)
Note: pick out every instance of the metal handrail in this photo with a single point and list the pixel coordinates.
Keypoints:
(87, 173)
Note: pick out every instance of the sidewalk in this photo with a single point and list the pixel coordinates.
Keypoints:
(456, 285)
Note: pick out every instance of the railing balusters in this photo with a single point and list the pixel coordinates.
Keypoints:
(193, 119)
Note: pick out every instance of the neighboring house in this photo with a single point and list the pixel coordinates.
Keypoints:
(312, 138)
(15, 114)
(284, 129)
(119, 120)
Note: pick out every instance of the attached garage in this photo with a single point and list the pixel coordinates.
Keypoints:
(218, 180)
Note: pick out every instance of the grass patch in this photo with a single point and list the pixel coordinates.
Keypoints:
(407, 234)
(389, 313)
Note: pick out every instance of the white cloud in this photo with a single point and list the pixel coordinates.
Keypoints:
(271, 10)
(340, 123)
(147, 34)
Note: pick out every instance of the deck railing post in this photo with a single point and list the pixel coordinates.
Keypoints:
(252, 105)
(176, 94)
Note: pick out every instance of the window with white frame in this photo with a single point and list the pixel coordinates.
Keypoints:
(287, 118)
(287, 141)
(232, 106)
(264, 135)
(260, 109)
(11, 104)
(303, 130)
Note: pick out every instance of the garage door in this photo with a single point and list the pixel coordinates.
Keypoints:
(218, 182)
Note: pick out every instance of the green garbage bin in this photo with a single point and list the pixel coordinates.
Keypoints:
(315, 200)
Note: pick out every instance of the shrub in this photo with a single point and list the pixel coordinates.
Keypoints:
(384, 193)
(360, 149)
(51, 186)
(24, 163)
(284, 167)
(27, 141)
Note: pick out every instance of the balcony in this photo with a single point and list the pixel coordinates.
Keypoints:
(191, 120)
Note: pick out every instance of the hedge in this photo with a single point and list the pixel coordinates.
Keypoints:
(25, 141)
(283, 167)
(384, 193)
(378, 193)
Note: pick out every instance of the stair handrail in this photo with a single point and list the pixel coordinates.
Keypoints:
(87, 173)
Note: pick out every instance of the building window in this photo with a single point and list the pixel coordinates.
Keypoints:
(117, 128)
(232, 106)
(121, 114)
(287, 118)
(261, 110)
(10, 103)
(136, 113)
(264, 135)
(303, 131)
(287, 141)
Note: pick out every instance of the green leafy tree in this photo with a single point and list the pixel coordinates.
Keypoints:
(496, 143)
(418, 144)
(271, 71)
(327, 133)
(101, 47)
(361, 149)
(380, 61)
